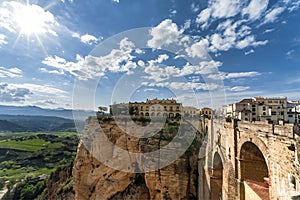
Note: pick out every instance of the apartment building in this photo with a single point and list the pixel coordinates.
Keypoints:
(169, 108)
(259, 109)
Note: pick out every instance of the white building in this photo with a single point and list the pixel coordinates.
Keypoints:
(293, 111)
(259, 109)
(190, 111)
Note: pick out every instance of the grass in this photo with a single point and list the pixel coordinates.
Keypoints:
(26, 145)
(30, 154)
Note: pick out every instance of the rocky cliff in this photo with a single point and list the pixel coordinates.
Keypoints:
(59, 185)
(98, 171)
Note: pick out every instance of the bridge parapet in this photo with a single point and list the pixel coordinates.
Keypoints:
(283, 130)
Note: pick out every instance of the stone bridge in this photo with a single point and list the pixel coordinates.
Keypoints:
(248, 161)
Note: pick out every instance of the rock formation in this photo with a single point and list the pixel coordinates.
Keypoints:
(96, 180)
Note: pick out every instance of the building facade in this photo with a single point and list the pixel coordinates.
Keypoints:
(293, 111)
(206, 112)
(169, 108)
(259, 109)
(190, 111)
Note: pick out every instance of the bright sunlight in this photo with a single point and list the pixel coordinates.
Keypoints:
(33, 19)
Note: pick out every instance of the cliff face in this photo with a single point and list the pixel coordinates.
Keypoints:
(59, 186)
(95, 180)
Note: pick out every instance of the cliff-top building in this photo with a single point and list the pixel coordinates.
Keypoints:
(169, 108)
(259, 109)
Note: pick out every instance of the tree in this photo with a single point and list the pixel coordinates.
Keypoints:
(102, 109)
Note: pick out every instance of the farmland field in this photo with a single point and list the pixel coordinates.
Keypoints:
(32, 154)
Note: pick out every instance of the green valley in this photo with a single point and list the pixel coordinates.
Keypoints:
(27, 159)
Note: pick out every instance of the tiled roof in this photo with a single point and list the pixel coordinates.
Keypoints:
(246, 101)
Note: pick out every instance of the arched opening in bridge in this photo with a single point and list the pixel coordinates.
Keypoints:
(216, 178)
(254, 173)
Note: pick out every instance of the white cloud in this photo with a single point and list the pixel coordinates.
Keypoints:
(32, 94)
(184, 86)
(70, 1)
(163, 34)
(294, 5)
(91, 67)
(195, 7)
(221, 43)
(242, 74)
(187, 24)
(233, 75)
(40, 89)
(269, 30)
(116, 1)
(198, 49)
(162, 57)
(26, 19)
(273, 14)
(10, 73)
(289, 54)
(239, 88)
(249, 41)
(157, 73)
(61, 72)
(172, 13)
(225, 8)
(86, 38)
(151, 90)
(2, 39)
(205, 67)
(12, 93)
(249, 52)
(255, 9)
(203, 16)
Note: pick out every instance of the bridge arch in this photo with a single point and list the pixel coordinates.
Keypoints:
(216, 178)
(254, 173)
(257, 142)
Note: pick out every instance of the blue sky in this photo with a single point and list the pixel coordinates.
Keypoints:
(81, 54)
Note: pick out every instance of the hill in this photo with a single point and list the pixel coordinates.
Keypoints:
(12, 127)
(37, 111)
(22, 123)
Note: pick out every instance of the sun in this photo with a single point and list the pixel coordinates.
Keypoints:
(32, 19)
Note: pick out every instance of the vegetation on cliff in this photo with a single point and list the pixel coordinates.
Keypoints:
(28, 159)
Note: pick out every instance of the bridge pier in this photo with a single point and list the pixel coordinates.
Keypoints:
(257, 159)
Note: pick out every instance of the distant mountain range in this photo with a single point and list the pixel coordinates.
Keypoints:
(37, 111)
(24, 123)
(33, 118)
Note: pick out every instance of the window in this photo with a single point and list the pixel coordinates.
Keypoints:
(270, 107)
(273, 113)
(246, 114)
(264, 113)
(291, 115)
(253, 109)
(282, 113)
(264, 108)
